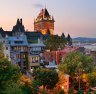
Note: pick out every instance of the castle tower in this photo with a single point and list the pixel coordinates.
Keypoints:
(44, 22)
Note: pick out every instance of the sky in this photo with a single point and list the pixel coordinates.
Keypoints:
(74, 17)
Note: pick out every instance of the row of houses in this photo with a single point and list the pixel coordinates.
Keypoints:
(30, 55)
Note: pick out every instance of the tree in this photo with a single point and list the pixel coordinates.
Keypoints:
(13, 89)
(63, 36)
(74, 63)
(80, 92)
(46, 77)
(61, 80)
(55, 42)
(69, 40)
(9, 73)
(1, 51)
(92, 79)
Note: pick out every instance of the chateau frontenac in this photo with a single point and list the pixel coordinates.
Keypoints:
(44, 22)
(29, 49)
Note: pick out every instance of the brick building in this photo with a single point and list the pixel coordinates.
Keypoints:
(44, 22)
(56, 56)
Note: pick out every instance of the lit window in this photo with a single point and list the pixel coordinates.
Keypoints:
(18, 56)
(24, 56)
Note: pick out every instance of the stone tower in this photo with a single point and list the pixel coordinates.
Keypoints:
(44, 22)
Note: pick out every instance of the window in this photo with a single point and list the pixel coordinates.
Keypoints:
(18, 55)
(9, 42)
(24, 48)
(24, 56)
(35, 59)
(18, 48)
(18, 42)
(6, 48)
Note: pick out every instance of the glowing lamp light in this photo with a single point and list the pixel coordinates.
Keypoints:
(62, 87)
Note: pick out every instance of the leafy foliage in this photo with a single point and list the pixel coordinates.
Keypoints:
(8, 73)
(71, 90)
(46, 77)
(80, 92)
(69, 40)
(74, 63)
(14, 88)
(92, 79)
(55, 42)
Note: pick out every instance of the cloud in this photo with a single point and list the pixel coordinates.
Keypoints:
(38, 5)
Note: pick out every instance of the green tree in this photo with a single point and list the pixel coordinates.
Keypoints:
(55, 42)
(1, 52)
(46, 77)
(80, 92)
(71, 91)
(14, 88)
(69, 39)
(26, 89)
(35, 86)
(9, 73)
(92, 79)
(74, 63)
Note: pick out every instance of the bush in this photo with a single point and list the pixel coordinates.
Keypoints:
(80, 92)
(71, 91)
(61, 91)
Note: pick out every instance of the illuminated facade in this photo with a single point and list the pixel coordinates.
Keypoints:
(44, 22)
(35, 55)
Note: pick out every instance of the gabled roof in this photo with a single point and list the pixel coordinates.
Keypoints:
(17, 40)
(19, 27)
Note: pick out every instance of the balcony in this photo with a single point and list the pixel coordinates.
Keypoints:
(34, 64)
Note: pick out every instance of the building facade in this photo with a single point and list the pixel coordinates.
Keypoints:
(35, 55)
(16, 50)
(44, 22)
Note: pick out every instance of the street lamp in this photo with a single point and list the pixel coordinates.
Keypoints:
(62, 87)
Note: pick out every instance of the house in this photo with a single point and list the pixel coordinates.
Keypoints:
(16, 49)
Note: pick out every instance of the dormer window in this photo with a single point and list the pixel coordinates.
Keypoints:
(18, 42)
(9, 42)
